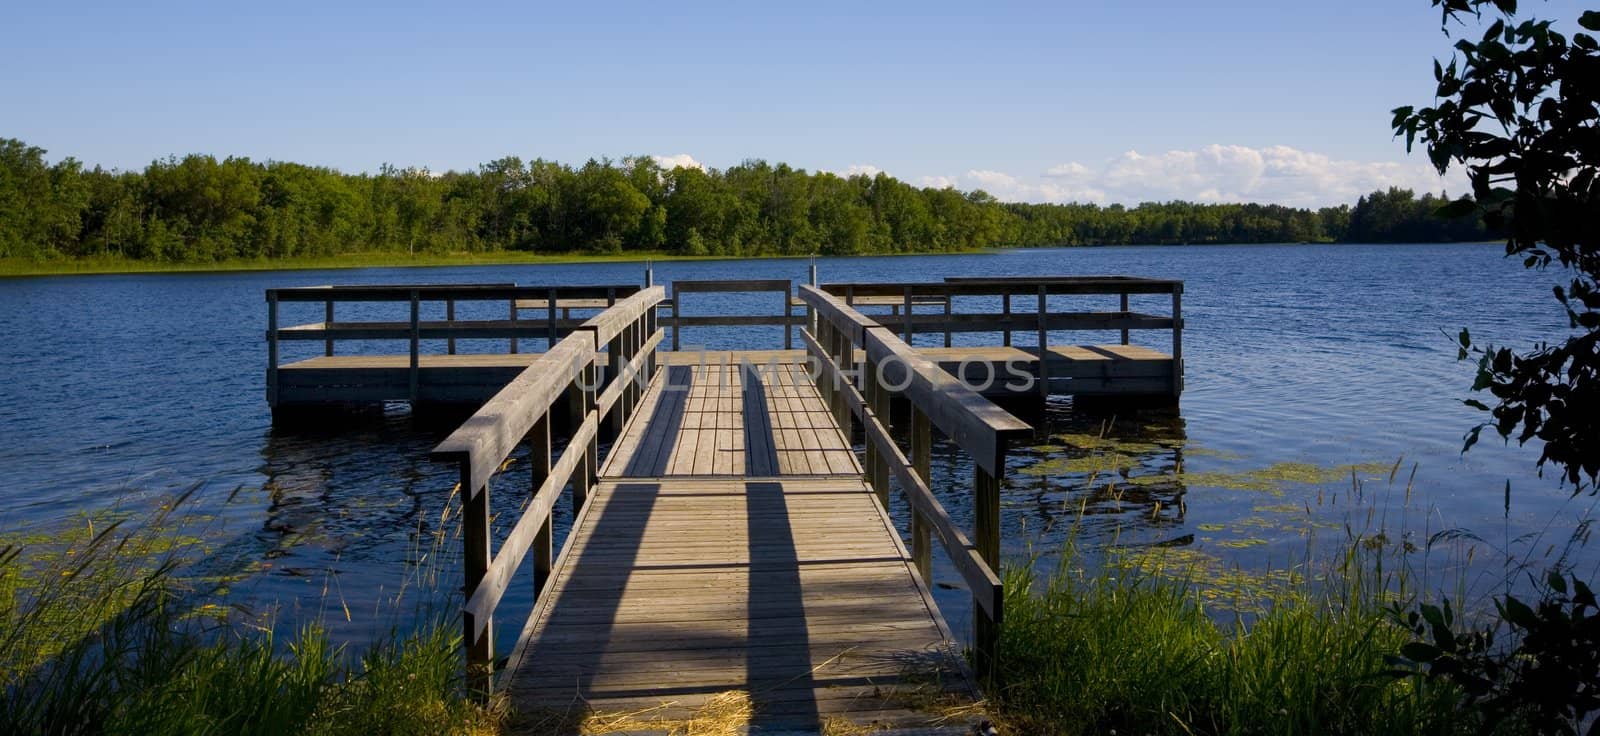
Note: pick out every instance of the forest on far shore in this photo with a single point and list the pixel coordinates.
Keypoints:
(199, 209)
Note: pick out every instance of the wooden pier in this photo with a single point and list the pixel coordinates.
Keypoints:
(732, 546)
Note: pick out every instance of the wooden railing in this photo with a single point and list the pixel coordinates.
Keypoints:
(679, 320)
(416, 329)
(938, 401)
(625, 338)
(1039, 320)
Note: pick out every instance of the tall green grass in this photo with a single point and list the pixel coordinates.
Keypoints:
(1115, 648)
(101, 631)
(1143, 640)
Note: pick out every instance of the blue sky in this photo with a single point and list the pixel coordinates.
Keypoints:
(1270, 101)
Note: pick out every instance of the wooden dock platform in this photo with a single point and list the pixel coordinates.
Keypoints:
(733, 545)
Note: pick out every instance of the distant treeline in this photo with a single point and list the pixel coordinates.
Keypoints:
(198, 209)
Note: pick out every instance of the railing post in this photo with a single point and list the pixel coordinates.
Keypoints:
(677, 309)
(617, 359)
(577, 410)
(416, 340)
(1044, 342)
(986, 537)
(327, 326)
(1124, 316)
(272, 348)
(821, 330)
(908, 328)
(513, 325)
(475, 534)
(1005, 310)
(947, 299)
(544, 541)
(921, 463)
(1177, 339)
(869, 387)
(788, 314)
(550, 321)
(591, 456)
(651, 318)
(450, 321)
(878, 399)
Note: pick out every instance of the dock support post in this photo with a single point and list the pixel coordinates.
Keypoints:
(1177, 339)
(910, 338)
(1124, 316)
(327, 324)
(513, 326)
(580, 400)
(1005, 309)
(921, 462)
(947, 299)
(986, 536)
(550, 321)
(450, 319)
(544, 541)
(617, 359)
(272, 348)
(877, 399)
(788, 326)
(1044, 343)
(416, 340)
(475, 534)
(677, 309)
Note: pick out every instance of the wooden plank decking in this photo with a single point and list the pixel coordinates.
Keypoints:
(732, 546)
(733, 420)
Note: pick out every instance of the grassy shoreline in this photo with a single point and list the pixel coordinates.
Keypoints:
(102, 265)
(24, 267)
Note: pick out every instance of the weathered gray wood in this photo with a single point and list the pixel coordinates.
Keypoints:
(272, 349)
(327, 318)
(426, 329)
(1177, 340)
(441, 292)
(497, 574)
(489, 435)
(977, 571)
(989, 286)
(478, 625)
(1124, 304)
(416, 342)
(804, 640)
(610, 323)
(691, 286)
(969, 420)
(850, 323)
(543, 548)
(921, 464)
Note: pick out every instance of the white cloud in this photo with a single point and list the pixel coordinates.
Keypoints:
(861, 170)
(938, 182)
(683, 159)
(1215, 173)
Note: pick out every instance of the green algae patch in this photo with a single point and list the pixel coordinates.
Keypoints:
(1100, 463)
(1272, 479)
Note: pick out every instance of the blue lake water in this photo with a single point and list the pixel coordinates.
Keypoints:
(120, 391)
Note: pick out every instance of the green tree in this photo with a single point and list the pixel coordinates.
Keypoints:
(1519, 108)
